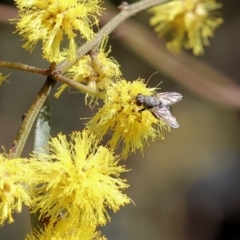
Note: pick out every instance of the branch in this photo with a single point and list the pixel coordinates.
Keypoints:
(79, 86)
(30, 118)
(58, 77)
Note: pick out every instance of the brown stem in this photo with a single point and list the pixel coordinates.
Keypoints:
(24, 67)
(30, 118)
(54, 75)
(79, 86)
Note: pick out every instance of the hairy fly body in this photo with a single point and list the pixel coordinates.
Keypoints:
(158, 104)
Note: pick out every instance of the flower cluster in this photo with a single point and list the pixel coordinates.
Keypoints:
(96, 70)
(16, 176)
(50, 20)
(120, 115)
(60, 232)
(186, 23)
(80, 179)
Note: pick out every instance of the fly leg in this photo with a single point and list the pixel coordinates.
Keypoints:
(141, 109)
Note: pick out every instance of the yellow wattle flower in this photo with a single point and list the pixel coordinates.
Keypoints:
(96, 70)
(16, 174)
(120, 117)
(51, 21)
(64, 231)
(186, 23)
(80, 180)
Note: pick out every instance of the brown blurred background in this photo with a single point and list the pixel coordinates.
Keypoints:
(186, 187)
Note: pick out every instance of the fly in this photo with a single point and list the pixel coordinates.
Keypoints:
(158, 104)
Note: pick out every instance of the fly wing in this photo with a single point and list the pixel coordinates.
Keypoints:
(165, 114)
(168, 98)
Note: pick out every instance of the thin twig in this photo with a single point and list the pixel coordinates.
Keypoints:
(79, 86)
(24, 67)
(58, 77)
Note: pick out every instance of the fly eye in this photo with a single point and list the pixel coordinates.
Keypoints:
(139, 99)
(138, 102)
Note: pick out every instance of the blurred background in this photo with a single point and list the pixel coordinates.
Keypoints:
(186, 187)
